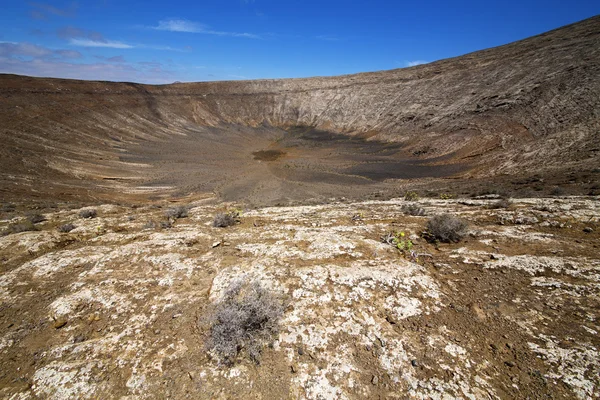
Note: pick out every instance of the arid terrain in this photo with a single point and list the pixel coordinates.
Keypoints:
(105, 288)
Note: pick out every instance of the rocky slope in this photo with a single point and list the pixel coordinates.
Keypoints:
(524, 108)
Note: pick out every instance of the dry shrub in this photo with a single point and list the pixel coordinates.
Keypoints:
(413, 209)
(88, 214)
(446, 228)
(36, 218)
(26, 226)
(244, 320)
(502, 203)
(223, 220)
(177, 212)
(66, 228)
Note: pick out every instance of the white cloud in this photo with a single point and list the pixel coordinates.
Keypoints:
(96, 43)
(328, 38)
(93, 71)
(180, 25)
(415, 63)
(183, 25)
(17, 50)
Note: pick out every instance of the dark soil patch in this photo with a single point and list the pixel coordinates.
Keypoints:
(268, 155)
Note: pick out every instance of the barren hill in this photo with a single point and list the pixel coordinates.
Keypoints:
(530, 107)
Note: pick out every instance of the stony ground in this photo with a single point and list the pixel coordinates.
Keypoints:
(112, 308)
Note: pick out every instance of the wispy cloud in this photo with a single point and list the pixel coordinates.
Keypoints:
(180, 25)
(96, 43)
(92, 71)
(116, 59)
(34, 60)
(84, 38)
(20, 50)
(71, 32)
(183, 25)
(68, 53)
(414, 63)
(327, 38)
(42, 10)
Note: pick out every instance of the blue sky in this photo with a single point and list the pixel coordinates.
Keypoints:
(164, 41)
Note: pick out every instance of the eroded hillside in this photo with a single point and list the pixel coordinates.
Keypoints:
(527, 108)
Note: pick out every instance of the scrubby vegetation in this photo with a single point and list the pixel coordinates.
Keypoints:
(244, 320)
(223, 220)
(88, 213)
(7, 207)
(177, 212)
(36, 218)
(411, 196)
(26, 226)
(413, 209)
(446, 228)
(66, 228)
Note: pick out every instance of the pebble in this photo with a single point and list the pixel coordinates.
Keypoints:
(414, 363)
(216, 244)
(79, 339)
(59, 323)
(509, 364)
(300, 351)
(587, 229)
(374, 380)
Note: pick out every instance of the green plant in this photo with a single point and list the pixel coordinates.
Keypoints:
(446, 196)
(398, 240)
(411, 196)
(246, 317)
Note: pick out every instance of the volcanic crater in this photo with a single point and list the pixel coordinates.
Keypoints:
(114, 245)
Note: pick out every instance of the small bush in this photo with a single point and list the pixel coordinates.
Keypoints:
(245, 318)
(150, 225)
(89, 213)
(557, 191)
(8, 207)
(223, 220)
(26, 226)
(446, 228)
(502, 203)
(413, 209)
(66, 228)
(411, 196)
(177, 212)
(36, 218)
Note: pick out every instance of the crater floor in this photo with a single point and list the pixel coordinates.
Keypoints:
(269, 165)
